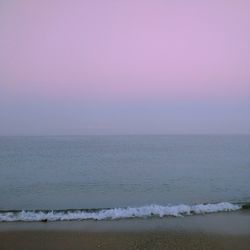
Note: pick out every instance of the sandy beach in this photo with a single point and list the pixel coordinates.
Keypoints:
(82, 240)
(214, 231)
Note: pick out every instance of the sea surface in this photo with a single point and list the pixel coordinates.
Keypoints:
(100, 177)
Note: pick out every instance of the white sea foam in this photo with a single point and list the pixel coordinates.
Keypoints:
(118, 213)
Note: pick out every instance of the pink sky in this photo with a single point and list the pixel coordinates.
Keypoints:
(124, 52)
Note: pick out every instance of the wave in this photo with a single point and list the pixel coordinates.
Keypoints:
(116, 213)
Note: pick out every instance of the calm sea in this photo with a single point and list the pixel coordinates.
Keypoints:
(97, 172)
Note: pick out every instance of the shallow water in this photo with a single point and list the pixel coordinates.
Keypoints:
(64, 172)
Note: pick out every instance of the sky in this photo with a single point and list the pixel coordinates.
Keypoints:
(124, 67)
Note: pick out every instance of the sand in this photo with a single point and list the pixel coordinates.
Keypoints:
(82, 240)
(216, 231)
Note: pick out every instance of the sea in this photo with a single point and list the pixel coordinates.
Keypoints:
(108, 177)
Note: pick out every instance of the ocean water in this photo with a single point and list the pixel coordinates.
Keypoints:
(100, 177)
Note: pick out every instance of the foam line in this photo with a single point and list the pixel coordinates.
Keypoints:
(117, 213)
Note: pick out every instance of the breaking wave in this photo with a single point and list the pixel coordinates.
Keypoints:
(116, 213)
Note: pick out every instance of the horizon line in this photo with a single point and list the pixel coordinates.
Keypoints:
(130, 134)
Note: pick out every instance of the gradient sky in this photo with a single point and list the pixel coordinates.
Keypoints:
(124, 67)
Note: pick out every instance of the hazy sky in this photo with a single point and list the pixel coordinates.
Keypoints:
(124, 67)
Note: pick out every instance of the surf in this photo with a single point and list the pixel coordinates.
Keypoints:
(148, 211)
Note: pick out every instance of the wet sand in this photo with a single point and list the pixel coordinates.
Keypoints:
(215, 231)
(82, 240)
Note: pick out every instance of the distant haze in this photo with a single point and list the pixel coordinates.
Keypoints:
(124, 67)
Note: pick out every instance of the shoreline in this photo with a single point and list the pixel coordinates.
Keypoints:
(233, 223)
(211, 231)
